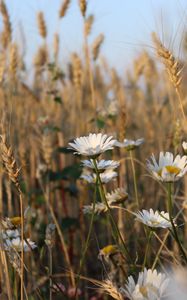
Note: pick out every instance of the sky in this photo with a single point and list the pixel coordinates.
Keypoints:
(126, 24)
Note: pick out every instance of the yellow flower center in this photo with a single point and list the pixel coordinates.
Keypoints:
(171, 169)
(108, 250)
(16, 221)
(154, 222)
(143, 291)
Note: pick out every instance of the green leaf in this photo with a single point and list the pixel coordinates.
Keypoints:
(100, 123)
(64, 150)
(40, 199)
(69, 172)
(23, 187)
(58, 99)
(73, 171)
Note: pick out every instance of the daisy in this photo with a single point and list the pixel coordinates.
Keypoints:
(154, 219)
(105, 177)
(101, 165)
(117, 196)
(92, 145)
(10, 233)
(99, 208)
(129, 144)
(168, 169)
(150, 285)
(16, 244)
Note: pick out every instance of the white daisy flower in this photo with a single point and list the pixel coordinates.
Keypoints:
(16, 244)
(99, 208)
(168, 169)
(151, 285)
(93, 144)
(117, 196)
(101, 165)
(184, 146)
(129, 144)
(106, 176)
(10, 233)
(154, 219)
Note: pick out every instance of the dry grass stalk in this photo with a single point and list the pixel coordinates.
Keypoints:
(88, 25)
(123, 122)
(172, 66)
(4, 267)
(83, 7)
(64, 8)
(97, 45)
(42, 28)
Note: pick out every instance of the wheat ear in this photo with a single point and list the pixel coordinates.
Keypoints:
(172, 67)
(11, 168)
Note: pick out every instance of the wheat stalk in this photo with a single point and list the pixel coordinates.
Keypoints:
(7, 32)
(172, 67)
(41, 57)
(83, 7)
(42, 28)
(97, 45)
(77, 71)
(56, 42)
(2, 66)
(13, 60)
(9, 162)
(110, 289)
(10, 166)
(88, 25)
(47, 148)
(64, 8)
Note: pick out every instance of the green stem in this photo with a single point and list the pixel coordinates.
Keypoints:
(104, 200)
(86, 244)
(147, 248)
(175, 234)
(134, 180)
(50, 272)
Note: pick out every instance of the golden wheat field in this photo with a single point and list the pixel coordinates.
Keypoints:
(93, 162)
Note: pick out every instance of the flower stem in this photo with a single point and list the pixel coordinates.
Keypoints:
(22, 244)
(86, 243)
(147, 248)
(174, 232)
(134, 179)
(117, 233)
(50, 272)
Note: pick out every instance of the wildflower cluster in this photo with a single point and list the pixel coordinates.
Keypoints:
(150, 284)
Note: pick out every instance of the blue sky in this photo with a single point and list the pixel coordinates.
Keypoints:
(127, 25)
